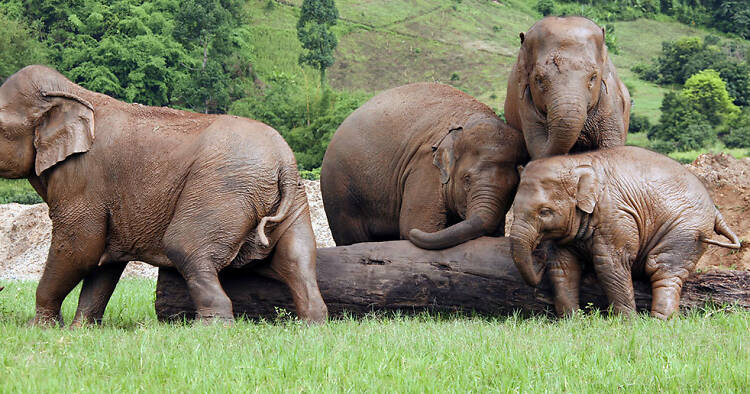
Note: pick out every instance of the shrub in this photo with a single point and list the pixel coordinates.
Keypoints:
(737, 132)
(18, 191)
(707, 92)
(638, 124)
(682, 125)
(545, 7)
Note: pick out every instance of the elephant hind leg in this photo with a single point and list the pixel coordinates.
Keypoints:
(668, 268)
(202, 238)
(293, 263)
(97, 289)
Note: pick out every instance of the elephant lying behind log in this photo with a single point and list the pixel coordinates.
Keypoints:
(563, 91)
(629, 211)
(171, 188)
(424, 162)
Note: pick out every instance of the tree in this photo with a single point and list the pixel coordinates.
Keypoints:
(707, 93)
(18, 47)
(314, 32)
(204, 26)
(681, 127)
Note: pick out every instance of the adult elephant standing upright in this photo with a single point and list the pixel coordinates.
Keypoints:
(172, 188)
(563, 92)
(424, 162)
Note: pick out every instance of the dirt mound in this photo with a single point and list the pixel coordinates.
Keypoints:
(25, 230)
(728, 181)
(25, 233)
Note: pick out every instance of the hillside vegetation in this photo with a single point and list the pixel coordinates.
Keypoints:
(242, 57)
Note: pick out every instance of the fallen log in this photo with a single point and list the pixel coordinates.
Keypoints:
(475, 277)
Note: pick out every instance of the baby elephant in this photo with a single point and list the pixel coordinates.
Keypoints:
(629, 211)
(425, 162)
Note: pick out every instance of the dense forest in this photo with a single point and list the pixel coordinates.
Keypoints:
(254, 58)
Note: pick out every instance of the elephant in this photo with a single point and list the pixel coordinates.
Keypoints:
(563, 91)
(424, 162)
(626, 211)
(177, 189)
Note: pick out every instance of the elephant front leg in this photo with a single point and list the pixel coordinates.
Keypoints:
(564, 271)
(613, 272)
(73, 253)
(97, 289)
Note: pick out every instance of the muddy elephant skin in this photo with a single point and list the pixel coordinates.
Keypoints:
(626, 211)
(424, 162)
(171, 188)
(563, 91)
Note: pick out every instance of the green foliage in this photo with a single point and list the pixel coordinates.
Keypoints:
(737, 132)
(682, 126)
(638, 124)
(305, 117)
(19, 46)
(545, 7)
(682, 58)
(312, 175)
(314, 32)
(18, 191)
(707, 93)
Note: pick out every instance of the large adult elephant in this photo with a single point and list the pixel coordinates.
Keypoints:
(563, 91)
(424, 162)
(171, 188)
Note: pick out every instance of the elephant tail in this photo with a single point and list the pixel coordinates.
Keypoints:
(721, 227)
(288, 183)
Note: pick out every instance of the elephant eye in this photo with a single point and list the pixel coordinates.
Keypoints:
(545, 212)
(592, 80)
(539, 82)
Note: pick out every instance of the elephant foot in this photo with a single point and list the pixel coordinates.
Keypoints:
(316, 313)
(46, 321)
(215, 320)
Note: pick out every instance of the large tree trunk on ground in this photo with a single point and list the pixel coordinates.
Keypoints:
(477, 276)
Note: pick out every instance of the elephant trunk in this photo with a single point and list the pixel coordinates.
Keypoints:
(566, 117)
(523, 241)
(483, 217)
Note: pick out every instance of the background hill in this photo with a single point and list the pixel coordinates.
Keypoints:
(151, 52)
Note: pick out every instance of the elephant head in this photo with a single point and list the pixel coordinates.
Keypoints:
(43, 120)
(554, 202)
(561, 75)
(477, 165)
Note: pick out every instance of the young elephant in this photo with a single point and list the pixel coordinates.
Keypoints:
(424, 162)
(171, 188)
(628, 210)
(563, 91)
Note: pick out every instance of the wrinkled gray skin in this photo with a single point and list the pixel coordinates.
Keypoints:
(563, 91)
(424, 162)
(628, 211)
(172, 188)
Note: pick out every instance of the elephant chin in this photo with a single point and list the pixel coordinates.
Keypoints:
(454, 235)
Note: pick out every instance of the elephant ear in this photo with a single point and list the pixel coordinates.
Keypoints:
(587, 192)
(443, 153)
(66, 128)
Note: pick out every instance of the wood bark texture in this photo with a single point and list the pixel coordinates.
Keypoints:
(475, 277)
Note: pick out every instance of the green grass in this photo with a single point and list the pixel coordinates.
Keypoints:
(17, 190)
(703, 351)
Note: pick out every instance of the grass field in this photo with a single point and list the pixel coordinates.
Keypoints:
(703, 351)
